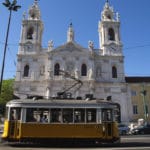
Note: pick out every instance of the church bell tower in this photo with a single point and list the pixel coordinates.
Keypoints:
(32, 29)
(109, 31)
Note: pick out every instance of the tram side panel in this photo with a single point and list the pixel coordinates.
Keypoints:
(32, 131)
(68, 131)
(61, 130)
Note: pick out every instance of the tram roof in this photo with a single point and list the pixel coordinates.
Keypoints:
(65, 103)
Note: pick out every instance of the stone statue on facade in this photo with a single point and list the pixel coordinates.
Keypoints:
(91, 45)
(50, 45)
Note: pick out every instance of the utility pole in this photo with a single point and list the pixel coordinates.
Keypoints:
(11, 7)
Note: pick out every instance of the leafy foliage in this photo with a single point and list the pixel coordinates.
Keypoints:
(6, 94)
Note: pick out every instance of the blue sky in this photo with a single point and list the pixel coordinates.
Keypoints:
(84, 14)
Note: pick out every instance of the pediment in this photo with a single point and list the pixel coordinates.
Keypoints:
(70, 47)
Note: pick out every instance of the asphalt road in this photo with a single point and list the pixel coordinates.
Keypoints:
(136, 142)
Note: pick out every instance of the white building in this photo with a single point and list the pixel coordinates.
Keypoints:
(101, 70)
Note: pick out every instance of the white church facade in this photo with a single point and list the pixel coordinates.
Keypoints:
(101, 70)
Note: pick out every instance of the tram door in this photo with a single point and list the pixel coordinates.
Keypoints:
(15, 114)
(107, 123)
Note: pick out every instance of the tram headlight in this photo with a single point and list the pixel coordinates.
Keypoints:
(103, 128)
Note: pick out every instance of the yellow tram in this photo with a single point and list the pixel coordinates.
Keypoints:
(60, 120)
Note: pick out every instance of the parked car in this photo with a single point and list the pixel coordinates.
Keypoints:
(142, 130)
(1, 128)
(123, 129)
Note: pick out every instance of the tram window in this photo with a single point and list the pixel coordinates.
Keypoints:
(30, 115)
(37, 115)
(43, 118)
(56, 115)
(90, 115)
(79, 115)
(67, 115)
(43, 115)
(107, 115)
(15, 114)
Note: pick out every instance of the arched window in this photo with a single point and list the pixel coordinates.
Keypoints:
(56, 69)
(30, 33)
(114, 72)
(109, 16)
(98, 71)
(26, 71)
(111, 34)
(83, 70)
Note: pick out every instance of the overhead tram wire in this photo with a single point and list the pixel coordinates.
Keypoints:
(10, 52)
(12, 56)
(45, 45)
(138, 46)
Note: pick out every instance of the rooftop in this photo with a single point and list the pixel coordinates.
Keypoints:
(136, 79)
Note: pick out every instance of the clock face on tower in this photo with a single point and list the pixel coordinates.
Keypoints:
(113, 49)
(28, 47)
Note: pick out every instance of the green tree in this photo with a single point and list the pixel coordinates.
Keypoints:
(6, 94)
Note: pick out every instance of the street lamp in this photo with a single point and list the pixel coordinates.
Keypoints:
(11, 7)
(143, 93)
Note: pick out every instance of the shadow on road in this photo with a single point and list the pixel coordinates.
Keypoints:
(77, 145)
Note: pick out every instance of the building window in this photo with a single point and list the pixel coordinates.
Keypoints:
(42, 70)
(133, 93)
(30, 33)
(26, 71)
(114, 72)
(56, 69)
(83, 70)
(98, 71)
(135, 109)
(111, 34)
